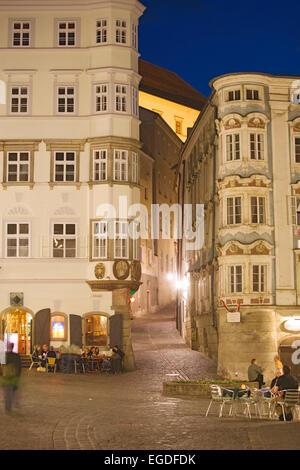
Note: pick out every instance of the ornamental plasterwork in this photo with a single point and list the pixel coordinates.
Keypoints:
(256, 123)
(236, 181)
(232, 123)
(238, 231)
(259, 247)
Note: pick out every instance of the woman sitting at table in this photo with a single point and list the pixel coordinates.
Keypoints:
(97, 352)
(37, 354)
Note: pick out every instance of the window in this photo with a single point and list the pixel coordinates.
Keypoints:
(64, 240)
(100, 239)
(64, 166)
(234, 210)
(21, 33)
(257, 210)
(19, 99)
(135, 165)
(134, 36)
(121, 240)
(96, 331)
(297, 149)
(121, 98)
(18, 164)
(101, 31)
(257, 146)
(259, 278)
(235, 279)
(17, 240)
(121, 32)
(234, 95)
(58, 329)
(233, 147)
(100, 165)
(252, 95)
(101, 98)
(67, 34)
(66, 99)
(121, 165)
(135, 101)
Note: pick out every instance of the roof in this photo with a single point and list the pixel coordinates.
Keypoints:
(168, 85)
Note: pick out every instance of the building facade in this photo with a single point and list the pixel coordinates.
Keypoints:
(69, 151)
(241, 162)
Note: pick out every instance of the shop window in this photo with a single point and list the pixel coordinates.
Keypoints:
(96, 331)
(58, 330)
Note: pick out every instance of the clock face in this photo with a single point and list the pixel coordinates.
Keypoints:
(121, 269)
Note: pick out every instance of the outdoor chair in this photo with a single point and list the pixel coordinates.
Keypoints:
(78, 363)
(221, 396)
(106, 367)
(290, 400)
(34, 362)
(267, 400)
(51, 364)
(254, 399)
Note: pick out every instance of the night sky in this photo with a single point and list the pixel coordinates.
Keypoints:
(200, 40)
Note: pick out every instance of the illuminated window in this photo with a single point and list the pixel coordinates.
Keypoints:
(58, 328)
(96, 331)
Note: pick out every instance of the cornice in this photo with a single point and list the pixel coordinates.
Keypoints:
(110, 285)
(54, 144)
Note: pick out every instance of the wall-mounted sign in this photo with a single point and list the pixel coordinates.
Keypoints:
(292, 324)
(16, 299)
(233, 317)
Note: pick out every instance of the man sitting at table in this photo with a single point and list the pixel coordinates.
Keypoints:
(255, 373)
(285, 382)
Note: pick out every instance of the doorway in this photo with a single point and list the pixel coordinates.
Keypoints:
(16, 328)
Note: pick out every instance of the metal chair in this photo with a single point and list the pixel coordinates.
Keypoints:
(33, 362)
(252, 400)
(267, 400)
(290, 400)
(51, 363)
(79, 362)
(221, 396)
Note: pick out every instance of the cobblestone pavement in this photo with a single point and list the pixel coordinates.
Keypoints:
(128, 411)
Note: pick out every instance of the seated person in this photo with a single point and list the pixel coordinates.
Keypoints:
(37, 354)
(285, 382)
(117, 350)
(44, 353)
(255, 373)
(97, 352)
(51, 353)
(273, 384)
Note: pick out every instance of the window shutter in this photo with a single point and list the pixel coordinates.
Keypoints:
(115, 330)
(76, 330)
(42, 327)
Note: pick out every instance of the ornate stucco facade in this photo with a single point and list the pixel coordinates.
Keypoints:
(242, 161)
(69, 144)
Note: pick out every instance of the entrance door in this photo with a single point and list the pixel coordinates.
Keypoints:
(17, 330)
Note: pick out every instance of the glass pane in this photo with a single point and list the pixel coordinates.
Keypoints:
(58, 229)
(12, 157)
(23, 228)
(11, 229)
(70, 229)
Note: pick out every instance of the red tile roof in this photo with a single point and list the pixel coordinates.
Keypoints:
(168, 85)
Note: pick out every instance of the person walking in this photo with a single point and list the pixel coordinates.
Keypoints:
(255, 373)
(11, 377)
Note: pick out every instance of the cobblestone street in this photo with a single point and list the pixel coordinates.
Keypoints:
(128, 411)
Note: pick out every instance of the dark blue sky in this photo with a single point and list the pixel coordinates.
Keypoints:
(200, 40)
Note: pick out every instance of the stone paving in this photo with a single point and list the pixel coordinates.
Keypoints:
(128, 411)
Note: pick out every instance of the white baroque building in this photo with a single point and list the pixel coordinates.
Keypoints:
(69, 145)
(242, 161)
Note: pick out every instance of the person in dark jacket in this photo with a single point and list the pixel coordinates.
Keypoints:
(255, 373)
(285, 382)
(116, 359)
(11, 377)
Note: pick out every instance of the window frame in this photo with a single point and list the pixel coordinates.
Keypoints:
(260, 210)
(77, 23)
(121, 98)
(261, 275)
(125, 164)
(101, 94)
(121, 30)
(18, 164)
(232, 271)
(74, 95)
(102, 29)
(233, 144)
(18, 236)
(65, 237)
(122, 236)
(22, 21)
(99, 236)
(256, 134)
(234, 210)
(101, 162)
(64, 163)
(28, 98)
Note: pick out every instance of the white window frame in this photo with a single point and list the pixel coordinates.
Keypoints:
(100, 157)
(64, 163)
(134, 35)
(260, 209)
(64, 237)
(257, 147)
(18, 163)
(18, 237)
(65, 97)
(121, 249)
(120, 172)
(102, 237)
(19, 97)
(101, 91)
(262, 278)
(234, 210)
(135, 101)
(101, 31)
(135, 167)
(232, 271)
(121, 98)
(76, 30)
(121, 31)
(233, 146)
(12, 31)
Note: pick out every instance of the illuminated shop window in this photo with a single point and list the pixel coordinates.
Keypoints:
(96, 331)
(58, 328)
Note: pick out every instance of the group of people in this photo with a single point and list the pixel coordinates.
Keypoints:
(282, 381)
(113, 362)
(40, 354)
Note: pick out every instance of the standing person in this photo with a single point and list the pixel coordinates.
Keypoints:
(255, 373)
(116, 359)
(11, 377)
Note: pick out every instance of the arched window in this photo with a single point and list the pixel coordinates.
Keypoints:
(58, 327)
